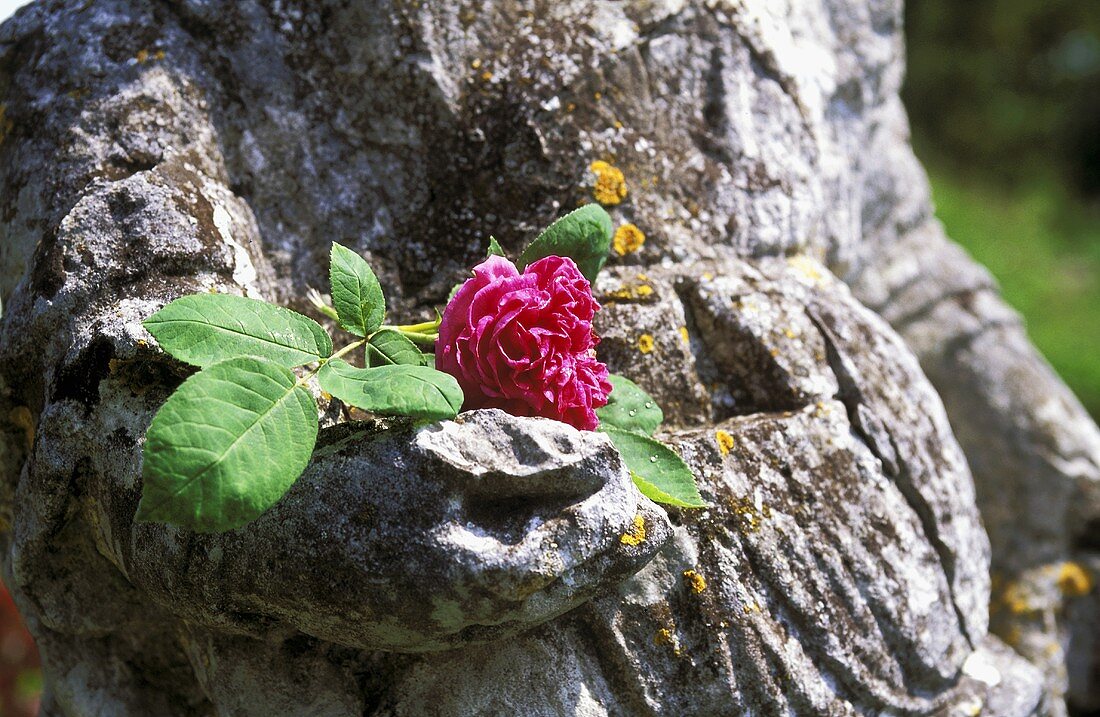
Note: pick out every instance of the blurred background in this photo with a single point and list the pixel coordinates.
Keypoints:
(1004, 99)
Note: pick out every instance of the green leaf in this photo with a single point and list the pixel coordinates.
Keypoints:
(417, 391)
(583, 235)
(495, 248)
(655, 494)
(659, 473)
(356, 292)
(389, 347)
(203, 329)
(630, 408)
(226, 446)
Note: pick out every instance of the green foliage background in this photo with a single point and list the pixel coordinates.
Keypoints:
(1004, 98)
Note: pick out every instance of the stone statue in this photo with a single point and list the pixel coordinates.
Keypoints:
(791, 295)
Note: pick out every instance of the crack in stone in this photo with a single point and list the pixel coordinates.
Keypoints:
(851, 396)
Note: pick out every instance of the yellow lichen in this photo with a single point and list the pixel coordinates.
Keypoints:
(646, 343)
(665, 637)
(630, 293)
(144, 56)
(684, 334)
(695, 582)
(1074, 580)
(610, 187)
(597, 95)
(725, 442)
(806, 268)
(618, 124)
(571, 106)
(751, 516)
(628, 238)
(636, 535)
(476, 64)
(789, 333)
(1016, 599)
(487, 75)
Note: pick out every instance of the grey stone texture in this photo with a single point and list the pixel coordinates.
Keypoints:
(853, 395)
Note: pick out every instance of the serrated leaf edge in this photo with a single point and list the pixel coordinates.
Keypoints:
(523, 260)
(348, 257)
(318, 332)
(148, 514)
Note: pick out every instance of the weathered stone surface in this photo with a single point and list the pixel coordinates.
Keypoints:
(148, 150)
(852, 530)
(1034, 451)
(820, 581)
(416, 541)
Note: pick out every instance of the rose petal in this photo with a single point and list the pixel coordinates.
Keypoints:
(524, 342)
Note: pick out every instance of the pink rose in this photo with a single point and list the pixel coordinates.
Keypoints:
(524, 342)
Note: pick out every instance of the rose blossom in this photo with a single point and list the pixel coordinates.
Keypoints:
(524, 342)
